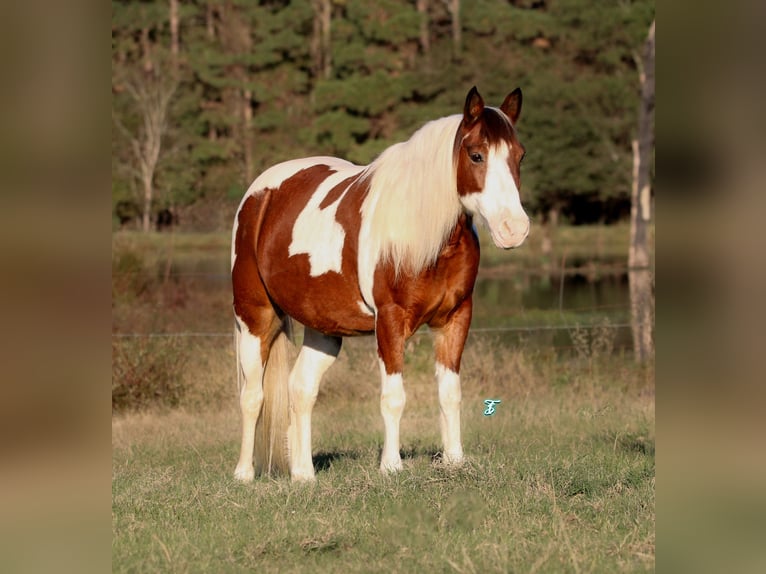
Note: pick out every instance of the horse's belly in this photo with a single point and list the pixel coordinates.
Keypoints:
(328, 303)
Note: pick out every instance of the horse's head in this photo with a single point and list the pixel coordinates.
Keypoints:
(488, 157)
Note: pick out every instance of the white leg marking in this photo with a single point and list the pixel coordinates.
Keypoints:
(276, 175)
(316, 356)
(250, 399)
(450, 397)
(392, 400)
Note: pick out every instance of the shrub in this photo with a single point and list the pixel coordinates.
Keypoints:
(146, 372)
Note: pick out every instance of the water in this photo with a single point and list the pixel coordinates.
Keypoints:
(524, 307)
(545, 309)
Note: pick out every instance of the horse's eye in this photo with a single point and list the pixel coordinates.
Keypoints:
(477, 157)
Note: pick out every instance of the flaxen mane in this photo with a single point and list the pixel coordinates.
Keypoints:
(413, 205)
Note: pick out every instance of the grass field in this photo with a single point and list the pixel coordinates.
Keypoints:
(559, 479)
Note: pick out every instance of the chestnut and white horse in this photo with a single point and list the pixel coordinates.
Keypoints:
(352, 250)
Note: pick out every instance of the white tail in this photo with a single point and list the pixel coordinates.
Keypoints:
(271, 428)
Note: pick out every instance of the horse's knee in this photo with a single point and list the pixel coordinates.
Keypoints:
(393, 402)
(303, 392)
(392, 397)
(251, 399)
(450, 394)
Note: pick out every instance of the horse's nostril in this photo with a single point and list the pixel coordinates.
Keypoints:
(514, 227)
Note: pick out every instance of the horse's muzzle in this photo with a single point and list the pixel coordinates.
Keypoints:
(510, 233)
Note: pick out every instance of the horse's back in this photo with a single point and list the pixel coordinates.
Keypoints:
(276, 175)
(305, 220)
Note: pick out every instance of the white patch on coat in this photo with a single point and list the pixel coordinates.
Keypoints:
(366, 309)
(317, 233)
(275, 176)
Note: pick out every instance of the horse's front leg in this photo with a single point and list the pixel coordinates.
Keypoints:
(448, 346)
(389, 331)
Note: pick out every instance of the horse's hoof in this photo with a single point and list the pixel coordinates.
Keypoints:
(391, 467)
(453, 460)
(244, 475)
(303, 478)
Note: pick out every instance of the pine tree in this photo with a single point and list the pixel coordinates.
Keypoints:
(257, 82)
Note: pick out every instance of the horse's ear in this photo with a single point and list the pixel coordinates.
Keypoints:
(474, 105)
(512, 105)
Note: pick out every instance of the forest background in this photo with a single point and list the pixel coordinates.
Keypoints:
(208, 93)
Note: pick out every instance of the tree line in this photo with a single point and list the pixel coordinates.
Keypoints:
(207, 93)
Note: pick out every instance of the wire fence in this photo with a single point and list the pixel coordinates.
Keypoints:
(606, 317)
(520, 329)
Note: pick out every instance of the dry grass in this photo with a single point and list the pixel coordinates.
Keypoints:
(560, 479)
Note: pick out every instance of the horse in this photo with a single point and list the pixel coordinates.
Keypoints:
(381, 249)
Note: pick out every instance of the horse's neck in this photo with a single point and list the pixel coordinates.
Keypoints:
(464, 225)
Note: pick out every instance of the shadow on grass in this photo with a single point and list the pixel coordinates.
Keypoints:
(638, 443)
(325, 459)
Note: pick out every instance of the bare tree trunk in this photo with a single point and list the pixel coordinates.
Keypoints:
(454, 9)
(245, 101)
(146, 50)
(174, 24)
(146, 210)
(247, 119)
(315, 46)
(326, 39)
(210, 14)
(549, 227)
(235, 35)
(321, 44)
(425, 36)
(210, 21)
(642, 152)
(151, 95)
(639, 272)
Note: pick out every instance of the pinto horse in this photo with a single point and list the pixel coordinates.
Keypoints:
(352, 250)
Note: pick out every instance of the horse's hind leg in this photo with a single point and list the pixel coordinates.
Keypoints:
(257, 326)
(250, 396)
(256, 329)
(317, 354)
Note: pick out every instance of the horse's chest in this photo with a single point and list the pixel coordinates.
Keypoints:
(453, 284)
(436, 292)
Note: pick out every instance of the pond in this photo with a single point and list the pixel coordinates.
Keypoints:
(544, 309)
(530, 307)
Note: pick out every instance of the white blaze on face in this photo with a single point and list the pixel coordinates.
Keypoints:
(498, 204)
